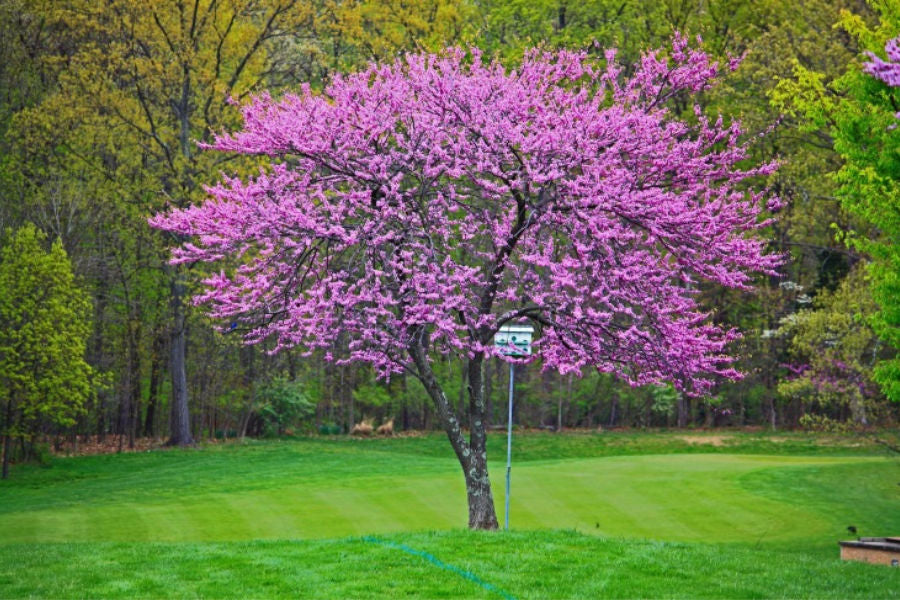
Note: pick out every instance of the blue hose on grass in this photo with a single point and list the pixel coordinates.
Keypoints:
(440, 564)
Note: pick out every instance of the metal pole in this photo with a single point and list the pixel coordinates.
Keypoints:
(512, 375)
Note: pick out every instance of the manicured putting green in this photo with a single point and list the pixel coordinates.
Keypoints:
(309, 491)
(756, 519)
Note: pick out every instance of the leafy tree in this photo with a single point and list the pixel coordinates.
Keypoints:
(282, 404)
(44, 326)
(834, 349)
(770, 36)
(351, 33)
(143, 80)
(506, 27)
(416, 207)
(858, 112)
(870, 180)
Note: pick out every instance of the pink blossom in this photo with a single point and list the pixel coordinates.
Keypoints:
(426, 202)
(887, 71)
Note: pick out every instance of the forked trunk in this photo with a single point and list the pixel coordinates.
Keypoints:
(472, 456)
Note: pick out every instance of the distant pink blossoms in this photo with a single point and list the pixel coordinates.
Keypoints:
(429, 201)
(888, 71)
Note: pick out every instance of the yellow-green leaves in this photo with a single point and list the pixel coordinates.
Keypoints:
(44, 327)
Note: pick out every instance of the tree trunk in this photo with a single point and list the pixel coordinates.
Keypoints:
(482, 514)
(858, 410)
(120, 420)
(405, 396)
(6, 450)
(134, 368)
(488, 395)
(180, 418)
(180, 428)
(683, 408)
(7, 446)
(152, 396)
(472, 455)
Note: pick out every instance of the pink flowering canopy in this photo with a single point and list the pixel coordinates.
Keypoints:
(431, 200)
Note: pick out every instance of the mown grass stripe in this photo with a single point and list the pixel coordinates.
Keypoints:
(440, 564)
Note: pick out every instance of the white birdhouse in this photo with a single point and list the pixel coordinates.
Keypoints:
(514, 340)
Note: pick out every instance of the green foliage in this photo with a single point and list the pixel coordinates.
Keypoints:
(101, 103)
(858, 112)
(355, 32)
(372, 394)
(824, 424)
(834, 349)
(43, 455)
(44, 327)
(283, 405)
(329, 429)
(506, 27)
(665, 398)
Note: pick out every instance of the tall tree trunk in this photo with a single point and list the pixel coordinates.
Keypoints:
(683, 408)
(488, 394)
(7, 445)
(153, 395)
(98, 359)
(405, 413)
(121, 419)
(134, 366)
(180, 418)
(858, 410)
(345, 398)
(180, 425)
(472, 455)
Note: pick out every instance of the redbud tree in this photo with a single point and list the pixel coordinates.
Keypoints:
(412, 209)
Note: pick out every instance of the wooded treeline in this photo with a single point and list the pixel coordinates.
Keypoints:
(102, 104)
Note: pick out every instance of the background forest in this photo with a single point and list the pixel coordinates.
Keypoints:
(102, 104)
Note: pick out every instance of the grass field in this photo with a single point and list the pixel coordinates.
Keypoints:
(611, 515)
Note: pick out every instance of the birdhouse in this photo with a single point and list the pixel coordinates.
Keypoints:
(514, 340)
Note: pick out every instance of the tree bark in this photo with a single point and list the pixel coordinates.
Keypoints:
(6, 449)
(149, 420)
(482, 514)
(858, 411)
(682, 404)
(134, 368)
(7, 439)
(180, 428)
(773, 415)
(472, 455)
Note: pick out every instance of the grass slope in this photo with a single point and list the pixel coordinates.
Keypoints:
(762, 516)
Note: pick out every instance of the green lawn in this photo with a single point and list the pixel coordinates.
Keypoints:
(593, 515)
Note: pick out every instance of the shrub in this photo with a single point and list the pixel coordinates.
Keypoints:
(283, 405)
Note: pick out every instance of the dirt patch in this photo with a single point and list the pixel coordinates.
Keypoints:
(705, 440)
(108, 445)
(91, 445)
